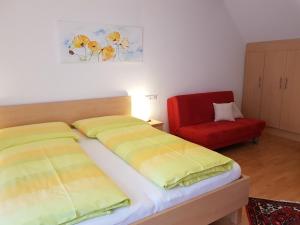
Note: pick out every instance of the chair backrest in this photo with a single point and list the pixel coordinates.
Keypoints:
(192, 109)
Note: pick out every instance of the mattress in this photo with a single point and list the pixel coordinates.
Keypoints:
(146, 198)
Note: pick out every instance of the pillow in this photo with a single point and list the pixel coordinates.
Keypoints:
(223, 111)
(236, 111)
(36, 132)
(91, 127)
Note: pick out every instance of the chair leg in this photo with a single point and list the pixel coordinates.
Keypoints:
(255, 140)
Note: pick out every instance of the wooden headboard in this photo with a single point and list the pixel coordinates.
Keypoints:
(66, 111)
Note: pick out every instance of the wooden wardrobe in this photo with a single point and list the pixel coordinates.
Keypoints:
(272, 83)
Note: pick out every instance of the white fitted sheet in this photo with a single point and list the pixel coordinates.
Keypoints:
(146, 197)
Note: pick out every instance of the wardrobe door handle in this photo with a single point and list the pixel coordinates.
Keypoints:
(286, 83)
(259, 82)
(280, 83)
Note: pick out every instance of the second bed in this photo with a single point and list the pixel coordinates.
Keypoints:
(146, 197)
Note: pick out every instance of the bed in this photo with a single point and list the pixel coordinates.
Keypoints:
(213, 201)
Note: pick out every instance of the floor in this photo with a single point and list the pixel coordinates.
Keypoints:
(273, 166)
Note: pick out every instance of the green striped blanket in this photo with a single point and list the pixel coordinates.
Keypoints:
(165, 159)
(53, 182)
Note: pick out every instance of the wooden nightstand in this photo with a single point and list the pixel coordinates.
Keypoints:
(157, 124)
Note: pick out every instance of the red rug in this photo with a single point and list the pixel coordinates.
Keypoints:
(268, 212)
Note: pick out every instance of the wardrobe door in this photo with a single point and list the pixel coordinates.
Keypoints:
(275, 65)
(254, 69)
(290, 113)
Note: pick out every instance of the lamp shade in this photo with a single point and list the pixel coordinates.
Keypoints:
(140, 107)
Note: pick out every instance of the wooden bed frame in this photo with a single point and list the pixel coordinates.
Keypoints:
(223, 204)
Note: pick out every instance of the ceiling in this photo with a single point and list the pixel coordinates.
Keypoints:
(264, 20)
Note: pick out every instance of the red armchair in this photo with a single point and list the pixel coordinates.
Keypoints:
(192, 118)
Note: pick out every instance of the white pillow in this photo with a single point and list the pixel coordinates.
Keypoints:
(236, 111)
(223, 111)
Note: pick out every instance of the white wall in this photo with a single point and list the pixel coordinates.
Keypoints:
(189, 46)
(264, 20)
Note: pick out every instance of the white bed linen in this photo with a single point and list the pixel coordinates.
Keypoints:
(124, 177)
(146, 197)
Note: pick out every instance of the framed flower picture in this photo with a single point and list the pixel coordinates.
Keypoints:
(93, 43)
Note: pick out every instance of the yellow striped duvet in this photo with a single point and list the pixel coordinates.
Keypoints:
(53, 182)
(165, 159)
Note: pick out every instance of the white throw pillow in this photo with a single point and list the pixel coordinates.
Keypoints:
(236, 111)
(223, 111)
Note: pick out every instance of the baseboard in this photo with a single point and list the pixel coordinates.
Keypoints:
(283, 133)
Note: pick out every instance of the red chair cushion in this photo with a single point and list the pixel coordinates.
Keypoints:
(185, 110)
(215, 135)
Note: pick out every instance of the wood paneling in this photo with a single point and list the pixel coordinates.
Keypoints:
(67, 111)
(273, 166)
(290, 110)
(277, 45)
(274, 73)
(254, 72)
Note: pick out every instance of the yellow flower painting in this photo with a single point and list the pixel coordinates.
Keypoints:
(108, 53)
(114, 37)
(80, 41)
(84, 43)
(94, 46)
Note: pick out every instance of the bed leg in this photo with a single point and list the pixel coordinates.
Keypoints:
(236, 217)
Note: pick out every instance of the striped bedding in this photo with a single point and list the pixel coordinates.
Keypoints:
(165, 159)
(53, 182)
